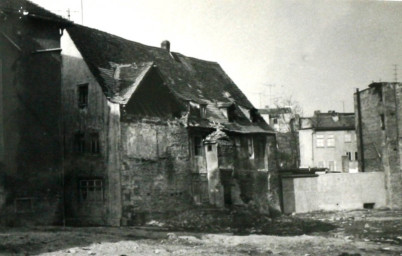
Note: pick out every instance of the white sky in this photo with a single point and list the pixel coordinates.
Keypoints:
(318, 52)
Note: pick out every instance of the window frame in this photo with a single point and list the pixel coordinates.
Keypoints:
(320, 138)
(330, 141)
(82, 91)
(97, 185)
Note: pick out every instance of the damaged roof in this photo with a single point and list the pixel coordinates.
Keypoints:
(119, 66)
(30, 9)
(189, 78)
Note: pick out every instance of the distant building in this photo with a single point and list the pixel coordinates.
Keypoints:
(284, 121)
(379, 129)
(328, 140)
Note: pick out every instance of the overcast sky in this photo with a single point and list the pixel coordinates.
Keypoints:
(317, 52)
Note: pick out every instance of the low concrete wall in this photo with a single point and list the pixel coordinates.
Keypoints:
(338, 191)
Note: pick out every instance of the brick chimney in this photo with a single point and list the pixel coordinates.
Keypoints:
(166, 45)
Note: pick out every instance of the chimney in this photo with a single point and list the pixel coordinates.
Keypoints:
(166, 45)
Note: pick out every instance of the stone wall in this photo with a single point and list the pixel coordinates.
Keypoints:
(156, 176)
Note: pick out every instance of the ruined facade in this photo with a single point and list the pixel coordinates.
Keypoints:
(328, 140)
(151, 132)
(378, 121)
(30, 104)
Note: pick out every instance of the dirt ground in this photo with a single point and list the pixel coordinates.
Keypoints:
(363, 232)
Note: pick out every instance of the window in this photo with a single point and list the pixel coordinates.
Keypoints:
(382, 119)
(320, 141)
(331, 165)
(91, 190)
(275, 120)
(94, 143)
(348, 137)
(79, 142)
(250, 147)
(197, 146)
(356, 156)
(83, 95)
(209, 148)
(349, 154)
(330, 141)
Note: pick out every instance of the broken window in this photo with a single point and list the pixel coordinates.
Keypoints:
(197, 146)
(330, 141)
(79, 142)
(91, 190)
(82, 95)
(320, 140)
(382, 120)
(94, 143)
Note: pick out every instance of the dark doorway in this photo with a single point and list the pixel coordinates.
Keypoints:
(226, 181)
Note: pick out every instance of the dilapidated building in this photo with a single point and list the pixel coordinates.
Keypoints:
(30, 105)
(379, 128)
(149, 131)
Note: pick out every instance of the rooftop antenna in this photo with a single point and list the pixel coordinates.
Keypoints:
(82, 12)
(396, 72)
(270, 94)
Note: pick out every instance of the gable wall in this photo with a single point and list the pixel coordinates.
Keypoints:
(102, 117)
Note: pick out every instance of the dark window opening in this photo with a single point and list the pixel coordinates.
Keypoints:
(79, 142)
(275, 120)
(382, 118)
(349, 154)
(83, 95)
(94, 143)
(91, 190)
(231, 113)
(197, 146)
(356, 156)
(368, 205)
(209, 148)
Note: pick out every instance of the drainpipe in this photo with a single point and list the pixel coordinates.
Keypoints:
(359, 120)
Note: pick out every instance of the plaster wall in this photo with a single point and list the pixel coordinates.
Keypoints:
(338, 191)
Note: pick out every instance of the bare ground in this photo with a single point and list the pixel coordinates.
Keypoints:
(368, 232)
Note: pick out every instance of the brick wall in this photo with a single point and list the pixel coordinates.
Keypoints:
(381, 114)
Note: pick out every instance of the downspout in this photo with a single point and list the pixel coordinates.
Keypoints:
(359, 120)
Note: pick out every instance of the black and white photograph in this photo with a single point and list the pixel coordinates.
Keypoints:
(201, 127)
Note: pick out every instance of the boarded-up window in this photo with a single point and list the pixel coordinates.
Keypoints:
(91, 190)
(320, 140)
(82, 95)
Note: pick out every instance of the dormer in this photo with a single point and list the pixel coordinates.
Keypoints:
(198, 109)
(228, 110)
